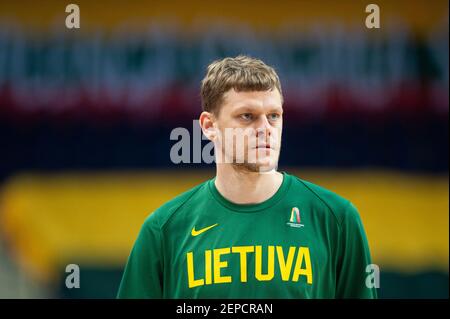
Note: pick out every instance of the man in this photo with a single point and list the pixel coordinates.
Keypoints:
(250, 232)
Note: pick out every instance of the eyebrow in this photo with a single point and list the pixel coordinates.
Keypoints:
(245, 108)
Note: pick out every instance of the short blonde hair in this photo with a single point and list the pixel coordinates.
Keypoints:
(242, 73)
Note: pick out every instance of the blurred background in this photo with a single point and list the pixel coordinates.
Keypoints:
(86, 115)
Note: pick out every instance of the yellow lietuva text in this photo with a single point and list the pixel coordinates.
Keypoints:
(214, 263)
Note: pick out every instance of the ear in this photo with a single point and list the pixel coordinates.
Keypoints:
(206, 121)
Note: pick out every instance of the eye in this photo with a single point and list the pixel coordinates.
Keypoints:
(273, 116)
(246, 116)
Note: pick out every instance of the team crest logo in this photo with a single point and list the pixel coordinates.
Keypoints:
(295, 221)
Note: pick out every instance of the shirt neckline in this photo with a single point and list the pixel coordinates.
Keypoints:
(248, 208)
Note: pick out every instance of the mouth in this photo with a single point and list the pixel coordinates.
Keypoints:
(264, 146)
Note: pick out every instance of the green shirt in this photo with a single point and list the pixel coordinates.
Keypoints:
(303, 242)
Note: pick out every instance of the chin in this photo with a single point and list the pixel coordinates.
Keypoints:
(266, 165)
(267, 160)
(266, 169)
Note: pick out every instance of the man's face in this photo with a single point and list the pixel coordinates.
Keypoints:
(250, 126)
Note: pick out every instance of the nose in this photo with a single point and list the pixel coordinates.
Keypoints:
(264, 129)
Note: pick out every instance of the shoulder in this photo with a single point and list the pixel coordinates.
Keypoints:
(340, 207)
(160, 216)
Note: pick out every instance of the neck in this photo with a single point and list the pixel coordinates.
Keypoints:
(245, 187)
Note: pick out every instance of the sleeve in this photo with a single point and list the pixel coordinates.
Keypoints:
(354, 258)
(143, 275)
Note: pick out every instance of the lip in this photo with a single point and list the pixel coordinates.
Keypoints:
(265, 146)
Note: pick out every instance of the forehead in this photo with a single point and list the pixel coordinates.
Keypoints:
(233, 99)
